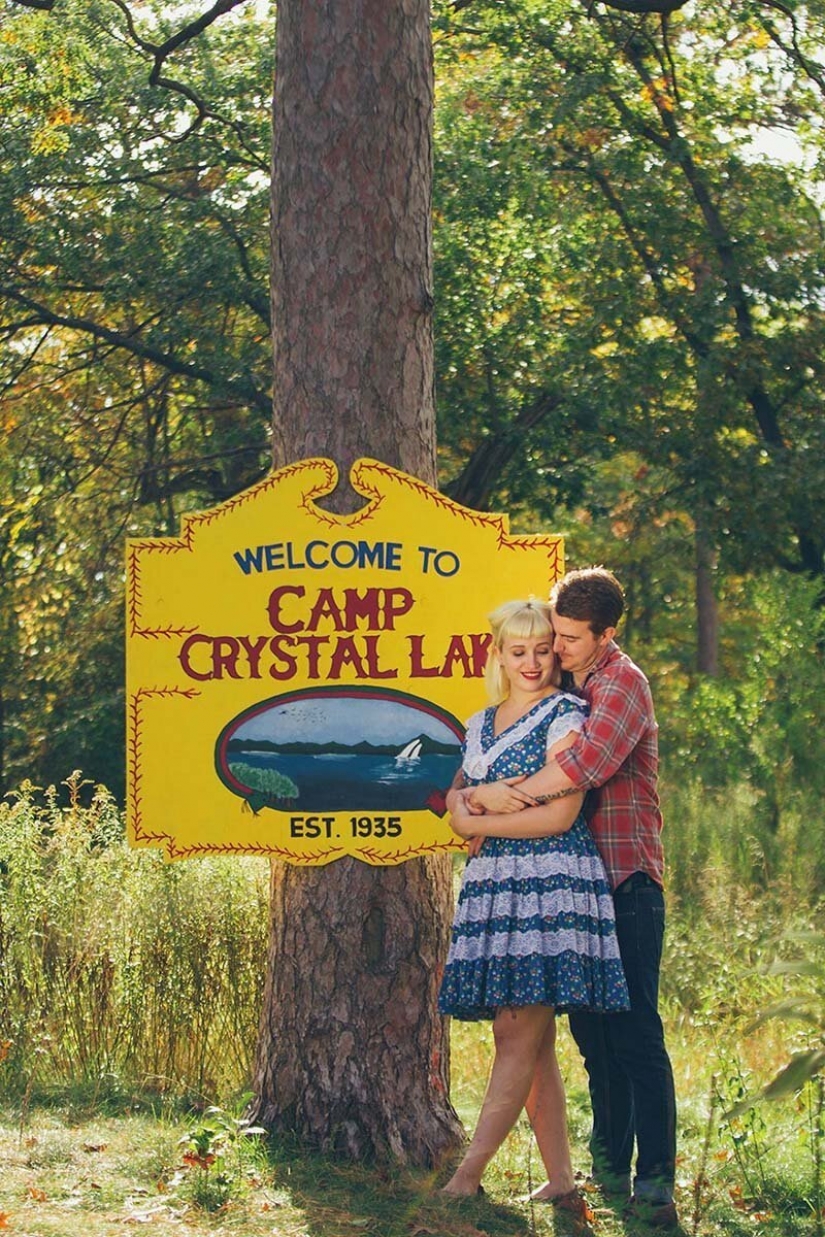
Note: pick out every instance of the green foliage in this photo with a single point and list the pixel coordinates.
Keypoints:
(609, 177)
(806, 1006)
(744, 755)
(221, 1153)
(121, 976)
(764, 1160)
(273, 785)
(134, 343)
(116, 968)
(628, 313)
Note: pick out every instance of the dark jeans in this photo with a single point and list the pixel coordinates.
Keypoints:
(631, 1080)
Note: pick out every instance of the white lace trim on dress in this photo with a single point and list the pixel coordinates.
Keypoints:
(477, 762)
(527, 944)
(530, 865)
(500, 905)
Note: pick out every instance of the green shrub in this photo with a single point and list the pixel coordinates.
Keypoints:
(743, 758)
(115, 965)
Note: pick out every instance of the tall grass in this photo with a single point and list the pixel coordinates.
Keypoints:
(114, 964)
(724, 838)
(116, 968)
(743, 758)
(120, 972)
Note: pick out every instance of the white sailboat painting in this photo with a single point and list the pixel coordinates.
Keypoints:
(412, 751)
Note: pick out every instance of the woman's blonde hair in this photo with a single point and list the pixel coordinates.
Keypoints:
(515, 620)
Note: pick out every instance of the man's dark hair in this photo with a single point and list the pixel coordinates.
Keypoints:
(592, 595)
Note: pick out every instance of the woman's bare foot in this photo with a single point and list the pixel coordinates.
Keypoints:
(461, 1186)
(551, 1190)
(572, 1202)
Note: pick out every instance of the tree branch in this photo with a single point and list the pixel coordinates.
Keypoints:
(160, 52)
(248, 393)
(796, 53)
(476, 481)
(641, 7)
(647, 259)
(725, 249)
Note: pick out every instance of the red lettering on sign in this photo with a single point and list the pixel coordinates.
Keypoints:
(274, 608)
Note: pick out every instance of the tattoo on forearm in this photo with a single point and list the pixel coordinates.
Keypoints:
(559, 794)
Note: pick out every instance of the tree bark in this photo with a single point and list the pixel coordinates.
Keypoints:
(707, 610)
(353, 1056)
(351, 233)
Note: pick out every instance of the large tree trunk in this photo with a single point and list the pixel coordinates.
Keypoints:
(351, 267)
(352, 1055)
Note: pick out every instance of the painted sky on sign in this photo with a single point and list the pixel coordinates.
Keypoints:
(338, 719)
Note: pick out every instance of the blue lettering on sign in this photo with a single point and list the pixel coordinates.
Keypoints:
(249, 558)
(318, 555)
(444, 562)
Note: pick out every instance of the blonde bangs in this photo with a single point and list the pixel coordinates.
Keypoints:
(521, 620)
(515, 620)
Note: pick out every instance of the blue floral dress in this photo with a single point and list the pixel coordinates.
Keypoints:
(535, 922)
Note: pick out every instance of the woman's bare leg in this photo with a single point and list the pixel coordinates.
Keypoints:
(547, 1110)
(519, 1035)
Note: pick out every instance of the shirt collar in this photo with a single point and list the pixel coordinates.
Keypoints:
(611, 652)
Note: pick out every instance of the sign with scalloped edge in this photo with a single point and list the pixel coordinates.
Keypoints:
(298, 681)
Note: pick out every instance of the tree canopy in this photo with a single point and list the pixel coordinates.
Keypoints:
(628, 229)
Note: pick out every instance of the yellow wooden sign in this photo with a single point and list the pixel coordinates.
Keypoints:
(297, 681)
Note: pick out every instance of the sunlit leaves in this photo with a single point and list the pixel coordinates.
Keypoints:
(630, 291)
(690, 268)
(134, 341)
(806, 1005)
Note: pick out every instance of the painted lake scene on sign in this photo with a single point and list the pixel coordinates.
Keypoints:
(335, 748)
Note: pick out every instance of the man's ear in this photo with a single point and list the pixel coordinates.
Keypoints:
(607, 635)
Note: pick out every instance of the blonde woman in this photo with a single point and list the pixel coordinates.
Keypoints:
(534, 931)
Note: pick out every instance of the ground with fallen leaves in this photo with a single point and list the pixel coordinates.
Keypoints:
(97, 1167)
(64, 1174)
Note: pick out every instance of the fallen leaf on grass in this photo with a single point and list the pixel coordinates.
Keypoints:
(95, 1146)
(37, 1196)
(4, 1219)
(737, 1197)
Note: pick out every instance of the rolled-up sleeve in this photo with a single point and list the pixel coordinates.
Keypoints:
(620, 714)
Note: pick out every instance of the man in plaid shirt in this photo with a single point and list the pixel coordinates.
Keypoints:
(615, 760)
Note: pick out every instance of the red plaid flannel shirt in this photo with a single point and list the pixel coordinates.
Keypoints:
(616, 759)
